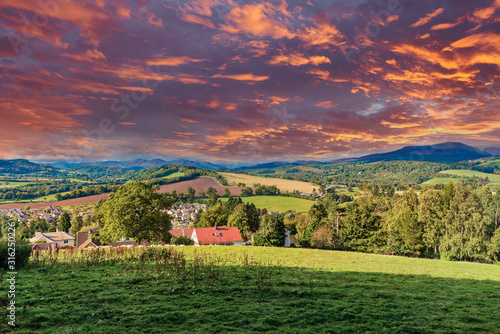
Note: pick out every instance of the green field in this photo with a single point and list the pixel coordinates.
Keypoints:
(282, 184)
(491, 163)
(279, 203)
(253, 290)
(443, 180)
(12, 184)
(176, 174)
(470, 173)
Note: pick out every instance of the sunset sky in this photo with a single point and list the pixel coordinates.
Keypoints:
(245, 81)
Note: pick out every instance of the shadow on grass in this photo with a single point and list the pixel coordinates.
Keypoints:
(111, 299)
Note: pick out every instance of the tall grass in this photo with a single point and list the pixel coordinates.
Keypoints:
(207, 269)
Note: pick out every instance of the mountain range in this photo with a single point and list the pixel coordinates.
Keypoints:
(444, 152)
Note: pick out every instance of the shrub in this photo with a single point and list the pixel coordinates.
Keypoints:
(181, 240)
(22, 251)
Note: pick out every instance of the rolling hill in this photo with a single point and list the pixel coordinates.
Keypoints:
(22, 166)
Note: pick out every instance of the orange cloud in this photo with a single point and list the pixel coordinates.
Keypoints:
(444, 26)
(297, 59)
(198, 20)
(242, 77)
(172, 61)
(426, 19)
(257, 20)
(326, 104)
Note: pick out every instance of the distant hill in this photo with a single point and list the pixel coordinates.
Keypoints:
(139, 164)
(492, 150)
(445, 152)
(22, 166)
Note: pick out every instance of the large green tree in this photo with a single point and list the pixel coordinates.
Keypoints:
(65, 222)
(272, 232)
(136, 211)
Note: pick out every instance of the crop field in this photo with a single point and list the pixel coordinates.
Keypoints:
(200, 184)
(470, 173)
(279, 203)
(251, 290)
(282, 184)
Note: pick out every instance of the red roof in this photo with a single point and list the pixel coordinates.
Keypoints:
(217, 235)
(188, 232)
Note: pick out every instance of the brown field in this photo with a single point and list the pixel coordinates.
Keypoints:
(199, 184)
(42, 205)
(282, 184)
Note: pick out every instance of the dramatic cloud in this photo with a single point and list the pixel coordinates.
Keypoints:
(242, 82)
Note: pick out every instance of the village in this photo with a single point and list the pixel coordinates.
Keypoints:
(183, 216)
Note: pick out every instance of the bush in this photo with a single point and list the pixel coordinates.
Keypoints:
(181, 240)
(22, 253)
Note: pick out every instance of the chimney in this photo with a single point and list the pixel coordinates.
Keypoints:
(216, 227)
(57, 229)
(38, 233)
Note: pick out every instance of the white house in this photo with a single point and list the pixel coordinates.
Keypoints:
(55, 239)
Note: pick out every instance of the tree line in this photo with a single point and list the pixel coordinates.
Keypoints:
(458, 222)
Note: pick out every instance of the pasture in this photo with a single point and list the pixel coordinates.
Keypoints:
(443, 180)
(282, 184)
(278, 203)
(252, 290)
(470, 173)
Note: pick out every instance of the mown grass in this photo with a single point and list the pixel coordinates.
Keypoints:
(253, 289)
(282, 184)
(279, 203)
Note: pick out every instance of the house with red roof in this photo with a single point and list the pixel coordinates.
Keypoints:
(217, 235)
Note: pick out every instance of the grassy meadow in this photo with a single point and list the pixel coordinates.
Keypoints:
(12, 184)
(278, 203)
(282, 184)
(470, 173)
(176, 174)
(443, 180)
(251, 290)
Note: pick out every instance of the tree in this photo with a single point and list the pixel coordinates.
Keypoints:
(272, 233)
(76, 225)
(214, 215)
(227, 193)
(246, 192)
(136, 211)
(191, 192)
(65, 222)
(26, 208)
(214, 196)
(239, 218)
(323, 238)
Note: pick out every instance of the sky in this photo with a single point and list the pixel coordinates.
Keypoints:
(245, 81)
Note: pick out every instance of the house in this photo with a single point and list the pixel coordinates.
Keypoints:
(89, 243)
(55, 239)
(86, 240)
(218, 235)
